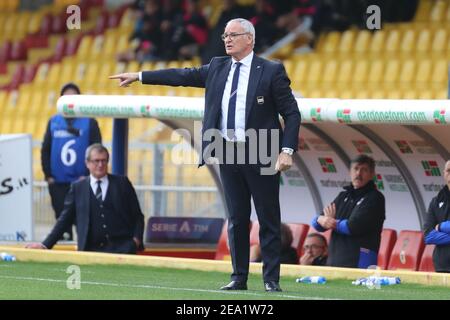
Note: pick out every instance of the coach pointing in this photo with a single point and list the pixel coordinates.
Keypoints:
(243, 93)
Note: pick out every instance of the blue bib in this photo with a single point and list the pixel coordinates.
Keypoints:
(68, 149)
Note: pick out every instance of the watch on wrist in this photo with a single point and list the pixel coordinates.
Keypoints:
(289, 151)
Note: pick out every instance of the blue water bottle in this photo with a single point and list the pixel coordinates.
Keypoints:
(385, 281)
(314, 279)
(7, 257)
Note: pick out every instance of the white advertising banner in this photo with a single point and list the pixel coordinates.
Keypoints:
(16, 185)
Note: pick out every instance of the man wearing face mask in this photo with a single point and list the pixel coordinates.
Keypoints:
(62, 153)
(356, 217)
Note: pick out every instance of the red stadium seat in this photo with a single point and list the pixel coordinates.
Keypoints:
(426, 263)
(223, 251)
(19, 51)
(299, 232)
(5, 51)
(407, 251)
(388, 239)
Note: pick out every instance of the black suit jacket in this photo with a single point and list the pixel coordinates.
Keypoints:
(267, 79)
(76, 209)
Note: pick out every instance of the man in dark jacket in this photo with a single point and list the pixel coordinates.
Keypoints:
(62, 153)
(356, 217)
(437, 225)
(105, 208)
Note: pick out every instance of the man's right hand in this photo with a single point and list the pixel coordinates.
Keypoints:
(126, 78)
(36, 245)
(327, 222)
(307, 259)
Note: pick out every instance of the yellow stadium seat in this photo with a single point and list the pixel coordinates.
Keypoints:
(393, 41)
(408, 42)
(439, 73)
(423, 42)
(377, 44)
(391, 71)
(344, 75)
(439, 41)
(393, 94)
(360, 72)
(361, 94)
(423, 73)
(347, 42)
(376, 72)
(409, 94)
(423, 11)
(54, 74)
(438, 12)
(442, 94)
(299, 75)
(289, 66)
(407, 73)
(315, 72)
(84, 49)
(378, 94)
(425, 94)
(331, 42)
(133, 66)
(329, 72)
(362, 42)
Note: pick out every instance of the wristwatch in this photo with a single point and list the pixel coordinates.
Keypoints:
(289, 151)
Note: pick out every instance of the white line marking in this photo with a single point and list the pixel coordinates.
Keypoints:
(167, 288)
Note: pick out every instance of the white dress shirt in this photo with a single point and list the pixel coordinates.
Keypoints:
(241, 98)
(104, 185)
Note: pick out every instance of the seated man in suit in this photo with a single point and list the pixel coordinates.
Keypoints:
(105, 208)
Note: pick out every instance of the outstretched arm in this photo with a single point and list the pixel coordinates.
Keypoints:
(126, 78)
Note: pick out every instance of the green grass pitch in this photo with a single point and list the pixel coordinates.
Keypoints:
(31, 280)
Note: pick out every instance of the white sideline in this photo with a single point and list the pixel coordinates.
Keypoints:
(167, 288)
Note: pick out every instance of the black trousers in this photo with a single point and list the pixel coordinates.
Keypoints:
(58, 192)
(241, 183)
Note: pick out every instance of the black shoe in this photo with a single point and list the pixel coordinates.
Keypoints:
(272, 286)
(235, 285)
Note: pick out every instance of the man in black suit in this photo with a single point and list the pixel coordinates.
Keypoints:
(105, 208)
(244, 94)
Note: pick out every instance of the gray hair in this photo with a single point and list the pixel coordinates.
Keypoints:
(96, 146)
(248, 27)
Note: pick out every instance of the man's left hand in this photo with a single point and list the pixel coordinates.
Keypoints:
(284, 162)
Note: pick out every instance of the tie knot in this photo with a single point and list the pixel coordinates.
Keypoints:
(99, 182)
(237, 64)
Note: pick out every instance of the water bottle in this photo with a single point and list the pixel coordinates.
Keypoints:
(314, 279)
(385, 281)
(7, 257)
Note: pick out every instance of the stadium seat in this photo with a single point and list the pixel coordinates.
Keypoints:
(388, 239)
(407, 251)
(426, 263)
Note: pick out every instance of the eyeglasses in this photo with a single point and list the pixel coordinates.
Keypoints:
(231, 35)
(312, 246)
(98, 161)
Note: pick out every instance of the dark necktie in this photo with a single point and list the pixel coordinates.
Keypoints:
(98, 192)
(231, 126)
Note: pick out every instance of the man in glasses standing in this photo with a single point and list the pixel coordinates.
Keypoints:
(244, 96)
(105, 208)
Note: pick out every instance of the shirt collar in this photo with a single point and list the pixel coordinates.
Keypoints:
(103, 179)
(247, 61)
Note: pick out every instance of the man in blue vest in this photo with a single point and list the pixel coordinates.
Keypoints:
(62, 154)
